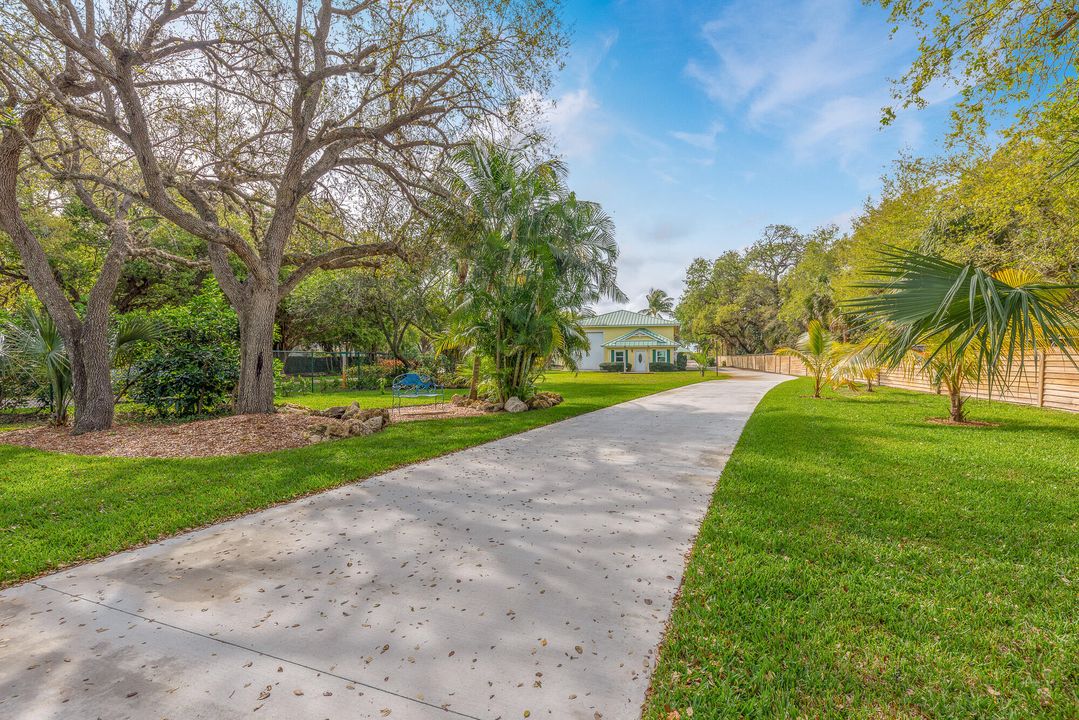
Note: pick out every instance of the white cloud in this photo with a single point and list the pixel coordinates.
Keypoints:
(702, 140)
(815, 72)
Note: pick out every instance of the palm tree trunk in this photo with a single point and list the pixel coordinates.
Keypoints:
(474, 384)
(957, 402)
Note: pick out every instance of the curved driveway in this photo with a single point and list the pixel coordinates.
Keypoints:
(528, 577)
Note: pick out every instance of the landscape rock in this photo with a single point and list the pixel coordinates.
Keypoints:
(335, 412)
(459, 400)
(359, 428)
(492, 407)
(337, 430)
(515, 405)
(544, 400)
(293, 409)
(374, 424)
(351, 411)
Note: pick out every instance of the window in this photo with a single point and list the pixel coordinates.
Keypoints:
(661, 356)
(618, 356)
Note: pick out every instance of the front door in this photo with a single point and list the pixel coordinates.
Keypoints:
(639, 364)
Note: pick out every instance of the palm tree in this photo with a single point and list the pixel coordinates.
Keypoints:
(536, 256)
(701, 358)
(659, 303)
(37, 347)
(859, 362)
(817, 352)
(962, 323)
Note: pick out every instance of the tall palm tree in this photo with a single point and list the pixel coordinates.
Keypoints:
(536, 253)
(962, 321)
(817, 352)
(659, 303)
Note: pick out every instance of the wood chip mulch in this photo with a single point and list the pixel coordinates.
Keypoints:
(232, 435)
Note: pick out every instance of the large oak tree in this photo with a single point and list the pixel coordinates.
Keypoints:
(266, 128)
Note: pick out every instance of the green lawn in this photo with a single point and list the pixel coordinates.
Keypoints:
(857, 562)
(56, 509)
(368, 398)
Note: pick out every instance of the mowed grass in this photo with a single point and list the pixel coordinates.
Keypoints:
(57, 509)
(858, 562)
(370, 398)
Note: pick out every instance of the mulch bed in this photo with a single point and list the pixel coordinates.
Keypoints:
(232, 435)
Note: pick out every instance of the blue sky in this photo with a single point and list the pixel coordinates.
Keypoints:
(696, 124)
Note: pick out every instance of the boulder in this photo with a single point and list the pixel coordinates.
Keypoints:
(358, 428)
(292, 409)
(369, 413)
(374, 424)
(492, 407)
(544, 400)
(335, 412)
(459, 400)
(515, 405)
(351, 411)
(337, 430)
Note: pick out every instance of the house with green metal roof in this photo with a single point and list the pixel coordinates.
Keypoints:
(632, 339)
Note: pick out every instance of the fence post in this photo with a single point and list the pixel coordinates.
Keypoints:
(1041, 377)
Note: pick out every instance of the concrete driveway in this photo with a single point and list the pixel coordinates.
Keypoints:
(528, 577)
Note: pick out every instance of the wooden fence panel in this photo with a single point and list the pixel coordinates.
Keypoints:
(1049, 380)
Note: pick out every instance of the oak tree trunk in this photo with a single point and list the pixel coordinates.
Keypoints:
(91, 378)
(254, 393)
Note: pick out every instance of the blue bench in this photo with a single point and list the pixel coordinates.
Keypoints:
(415, 385)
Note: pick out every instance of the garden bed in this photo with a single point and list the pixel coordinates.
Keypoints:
(217, 437)
(232, 435)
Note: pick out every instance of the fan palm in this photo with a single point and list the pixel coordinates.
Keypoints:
(38, 348)
(659, 303)
(962, 321)
(817, 351)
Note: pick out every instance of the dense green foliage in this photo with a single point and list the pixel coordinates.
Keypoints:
(879, 566)
(194, 369)
(536, 256)
(57, 509)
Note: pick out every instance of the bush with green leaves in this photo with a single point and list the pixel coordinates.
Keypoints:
(681, 360)
(662, 367)
(611, 367)
(194, 369)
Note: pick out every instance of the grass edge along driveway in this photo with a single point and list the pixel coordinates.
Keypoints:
(858, 562)
(58, 509)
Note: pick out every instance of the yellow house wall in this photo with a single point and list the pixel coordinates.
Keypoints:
(613, 333)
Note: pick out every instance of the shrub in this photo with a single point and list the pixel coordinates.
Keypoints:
(661, 367)
(194, 367)
(391, 367)
(611, 367)
(681, 360)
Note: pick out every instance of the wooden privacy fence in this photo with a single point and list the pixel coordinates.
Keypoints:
(1050, 380)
